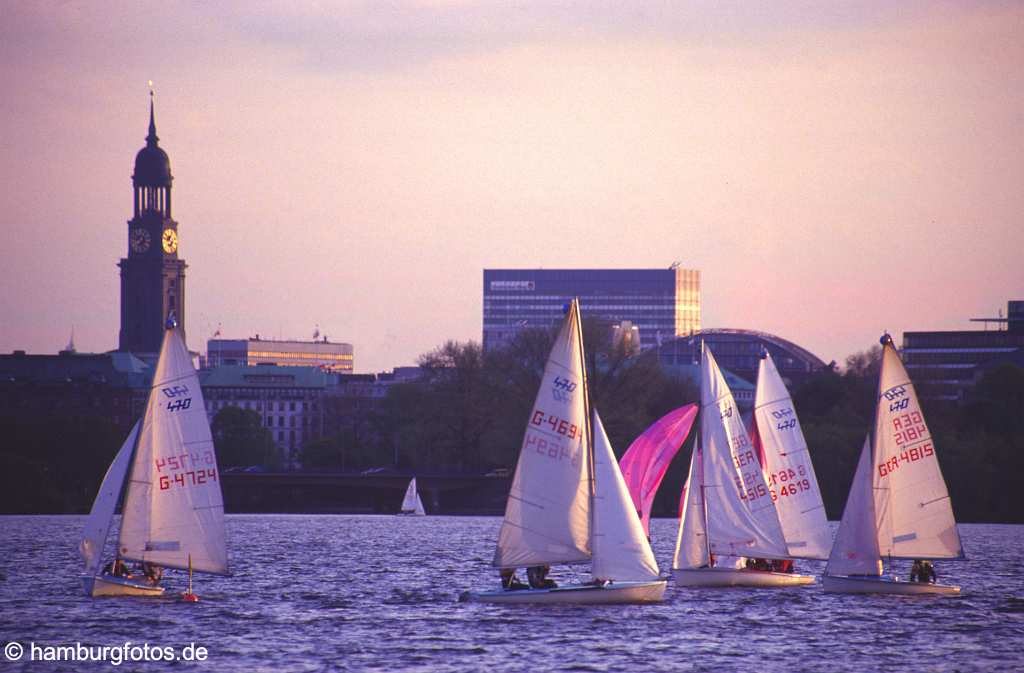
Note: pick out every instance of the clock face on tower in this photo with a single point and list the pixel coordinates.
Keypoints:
(140, 240)
(170, 241)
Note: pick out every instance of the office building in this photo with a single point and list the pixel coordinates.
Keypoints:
(943, 365)
(659, 303)
(288, 400)
(328, 355)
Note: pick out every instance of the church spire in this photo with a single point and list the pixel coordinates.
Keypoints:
(151, 139)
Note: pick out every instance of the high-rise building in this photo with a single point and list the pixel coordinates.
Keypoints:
(152, 275)
(942, 364)
(327, 355)
(659, 303)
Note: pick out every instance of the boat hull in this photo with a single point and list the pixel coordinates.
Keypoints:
(737, 577)
(107, 585)
(879, 585)
(576, 594)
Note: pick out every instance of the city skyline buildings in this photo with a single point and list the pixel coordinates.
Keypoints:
(832, 173)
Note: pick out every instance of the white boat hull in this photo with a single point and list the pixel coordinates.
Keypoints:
(107, 585)
(883, 585)
(737, 577)
(576, 594)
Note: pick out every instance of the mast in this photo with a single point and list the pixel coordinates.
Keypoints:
(873, 431)
(699, 447)
(588, 421)
(127, 485)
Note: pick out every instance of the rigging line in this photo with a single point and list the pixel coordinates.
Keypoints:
(765, 404)
(928, 502)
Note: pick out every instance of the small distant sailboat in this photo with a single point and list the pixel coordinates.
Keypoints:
(727, 506)
(173, 511)
(647, 459)
(411, 504)
(898, 506)
(568, 502)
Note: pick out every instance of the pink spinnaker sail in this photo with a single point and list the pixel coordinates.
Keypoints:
(644, 464)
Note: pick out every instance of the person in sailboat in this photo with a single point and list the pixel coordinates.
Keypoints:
(927, 573)
(116, 568)
(509, 581)
(153, 572)
(538, 577)
(915, 570)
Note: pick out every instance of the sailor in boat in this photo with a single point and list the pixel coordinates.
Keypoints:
(153, 572)
(116, 568)
(509, 581)
(538, 577)
(923, 571)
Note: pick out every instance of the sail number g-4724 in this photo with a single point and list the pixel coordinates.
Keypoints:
(186, 469)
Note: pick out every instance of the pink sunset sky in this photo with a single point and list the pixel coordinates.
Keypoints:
(833, 169)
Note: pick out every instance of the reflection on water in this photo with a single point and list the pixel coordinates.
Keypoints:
(312, 593)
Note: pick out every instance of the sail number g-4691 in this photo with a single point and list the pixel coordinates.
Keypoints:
(558, 425)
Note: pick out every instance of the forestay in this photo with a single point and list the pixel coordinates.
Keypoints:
(547, 517)
(741, 518)
(914, 514)
(647, 459)
(788, 472)
(97, 526)
(855, 550)
(173, 508)
(691, 543)
(620, 547)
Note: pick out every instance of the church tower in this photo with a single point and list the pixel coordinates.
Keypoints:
(152, 276)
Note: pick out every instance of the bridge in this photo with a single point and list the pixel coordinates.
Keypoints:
(347, 493)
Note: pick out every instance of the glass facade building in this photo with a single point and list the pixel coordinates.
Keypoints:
(329, 356)
(660, 303)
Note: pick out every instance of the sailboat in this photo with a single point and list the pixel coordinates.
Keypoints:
(568, 503)
(788, 472)
(898, 506)
(173, 510)
(411, 504)
(727, 507)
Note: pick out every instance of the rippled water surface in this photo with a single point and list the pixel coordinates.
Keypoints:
(316, 593)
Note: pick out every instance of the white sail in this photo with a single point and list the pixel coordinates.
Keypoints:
(914, 514)
(173, 507)
(547, 517)
(97, 526)
(620, 547)
(419, 511)
(411, 503)
(741, 518)
(788, 471)
(691, 543)
(855, 550)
